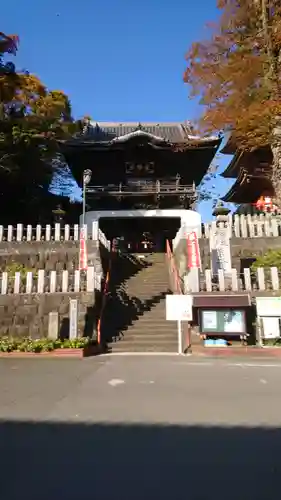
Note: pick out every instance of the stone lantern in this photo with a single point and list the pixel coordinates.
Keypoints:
(221, 212)
(59, 214)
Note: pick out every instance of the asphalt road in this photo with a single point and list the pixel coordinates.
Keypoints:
(140, 428)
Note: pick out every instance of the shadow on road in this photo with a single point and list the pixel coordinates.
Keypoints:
(138, 462)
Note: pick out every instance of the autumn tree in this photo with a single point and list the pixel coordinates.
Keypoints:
(237, 74)
(32, 119)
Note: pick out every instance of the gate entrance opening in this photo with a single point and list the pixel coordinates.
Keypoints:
(135, 234)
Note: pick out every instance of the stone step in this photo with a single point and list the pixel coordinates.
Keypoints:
(146, 337)
(140, 347)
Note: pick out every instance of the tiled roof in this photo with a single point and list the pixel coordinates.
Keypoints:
(173, 132)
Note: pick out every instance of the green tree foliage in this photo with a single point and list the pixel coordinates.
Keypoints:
(32, 118)
(236, 72)
(272, 258)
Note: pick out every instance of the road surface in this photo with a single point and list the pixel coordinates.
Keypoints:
(140, 428)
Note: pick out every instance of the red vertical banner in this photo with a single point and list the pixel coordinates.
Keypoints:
(193, 251)
(83, 257)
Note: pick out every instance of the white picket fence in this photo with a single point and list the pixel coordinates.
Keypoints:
(57, 232)
(248, 226)
(261, 280)
(50, 282)
(240, 226)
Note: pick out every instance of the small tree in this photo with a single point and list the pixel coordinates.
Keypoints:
(272, 258)
(237, 74)
(32, 119)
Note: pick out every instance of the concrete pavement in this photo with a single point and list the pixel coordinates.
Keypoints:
(139, 428)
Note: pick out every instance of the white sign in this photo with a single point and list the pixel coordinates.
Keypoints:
(271, 328)
(209, 320)
(220, 250)
(269, 306)
(179, 307)
(73, 319)
(234, 322)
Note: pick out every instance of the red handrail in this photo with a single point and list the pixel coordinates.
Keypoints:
(173, 269)
(103, 303)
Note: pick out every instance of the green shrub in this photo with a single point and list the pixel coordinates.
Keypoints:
(272, 258)
(9, 344)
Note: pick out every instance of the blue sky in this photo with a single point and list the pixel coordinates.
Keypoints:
(118, 60)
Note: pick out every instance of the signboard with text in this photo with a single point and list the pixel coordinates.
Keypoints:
(179, 307)
(193, 251)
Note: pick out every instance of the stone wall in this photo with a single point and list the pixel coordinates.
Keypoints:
(243, 250)
(48, 255)
(27, 314)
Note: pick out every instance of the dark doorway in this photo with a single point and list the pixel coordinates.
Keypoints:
(138, 234)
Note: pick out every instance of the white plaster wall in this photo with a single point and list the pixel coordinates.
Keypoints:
(189, 218)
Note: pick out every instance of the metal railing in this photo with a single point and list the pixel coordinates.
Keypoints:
(142, 187)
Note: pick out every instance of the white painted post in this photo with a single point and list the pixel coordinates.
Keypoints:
(29, 233)
(77, 281)
(4, 283)
(236, 226)
(38, 232)
(221, 280)
(41, 281)
(274, 278)
(73, 319)
(53, 281)
(17, 280)
(1, 233)
(208, 278)
(234, 280)
(48, 232)
(10, 233)
(19, 232)
(53, 325)
(29, 280)
(65, 281)
(243, 225)
(57, 231)
(76, 232)
(274, 227)
(260, 228)
(90, 287)
(267, 228)
(261, 279)
(66, 232)
(247, 279)
(251, 226)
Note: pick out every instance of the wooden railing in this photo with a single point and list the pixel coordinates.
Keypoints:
(104, 291)
(175, 280)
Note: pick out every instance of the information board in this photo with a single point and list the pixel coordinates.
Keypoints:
(223, 321)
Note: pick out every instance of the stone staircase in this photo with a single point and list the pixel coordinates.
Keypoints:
(134, 319)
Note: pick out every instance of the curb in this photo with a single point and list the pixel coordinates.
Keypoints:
(260, 352)
(57, 353)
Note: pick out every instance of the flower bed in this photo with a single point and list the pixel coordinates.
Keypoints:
(79, 347)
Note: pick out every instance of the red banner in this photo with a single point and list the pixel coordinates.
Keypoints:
(83, 258)
(193, 251)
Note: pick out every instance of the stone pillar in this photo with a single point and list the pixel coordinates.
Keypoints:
(220, 251)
